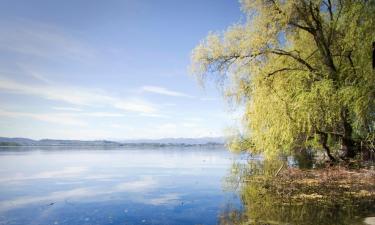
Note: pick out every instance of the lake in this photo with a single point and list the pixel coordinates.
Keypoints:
(67, 185)
(161, 186)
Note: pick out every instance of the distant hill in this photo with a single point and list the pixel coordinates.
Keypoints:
(19, 141)
(165, 142)
(202, 140)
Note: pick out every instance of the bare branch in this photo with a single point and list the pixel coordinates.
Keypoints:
(329, 7)
(313, 53)
(308, 29)
(284, 69)
(297, 58)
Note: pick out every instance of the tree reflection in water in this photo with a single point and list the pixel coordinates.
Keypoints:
(266, 200)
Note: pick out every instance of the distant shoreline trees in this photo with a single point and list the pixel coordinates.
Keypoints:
(303, 71)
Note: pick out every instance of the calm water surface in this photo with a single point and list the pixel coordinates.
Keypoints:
(78, 186)
(118, 186)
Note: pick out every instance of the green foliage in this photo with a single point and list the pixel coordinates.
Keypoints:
(325, 196)
(301, 68)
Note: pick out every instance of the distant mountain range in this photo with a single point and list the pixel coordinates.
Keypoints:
(4, 141)
(202, 140)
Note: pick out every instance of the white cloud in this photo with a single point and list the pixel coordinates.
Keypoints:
(154, 115)
(101, 114)
(115, 125)
(41, 40)
(67, 109)
(209, 99)
(174, 130)
(77, 96)
(168, 126)
(74, 119)
(188, 124)
(194, 119)
(135, 106)
(163, 91)
(63, 119)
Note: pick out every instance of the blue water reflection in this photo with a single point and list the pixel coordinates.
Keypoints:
(121, 186)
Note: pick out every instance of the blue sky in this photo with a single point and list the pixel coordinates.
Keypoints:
(108, 69)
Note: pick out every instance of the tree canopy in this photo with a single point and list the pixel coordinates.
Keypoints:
(303, 71)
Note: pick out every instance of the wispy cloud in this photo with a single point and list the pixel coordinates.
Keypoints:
(67, 109)
(63, 119)
(41, 40)
(155, 115)
(77, 96)
(209, 99)
(134, 106)
(71, 118)
(163, 91)
(101, 114)
(176, 130)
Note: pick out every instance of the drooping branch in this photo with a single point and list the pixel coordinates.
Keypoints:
(286, 104)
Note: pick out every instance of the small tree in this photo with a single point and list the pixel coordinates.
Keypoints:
(302, 69)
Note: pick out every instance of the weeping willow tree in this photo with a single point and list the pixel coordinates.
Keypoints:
(302, 69)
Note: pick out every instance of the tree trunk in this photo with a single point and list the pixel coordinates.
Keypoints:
(323, 140)
(348, 147)
(347, 143)
(373, 55)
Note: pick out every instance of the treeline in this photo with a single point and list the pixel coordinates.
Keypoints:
(9, 144)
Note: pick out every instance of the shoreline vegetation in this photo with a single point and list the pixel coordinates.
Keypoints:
(276, 194)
